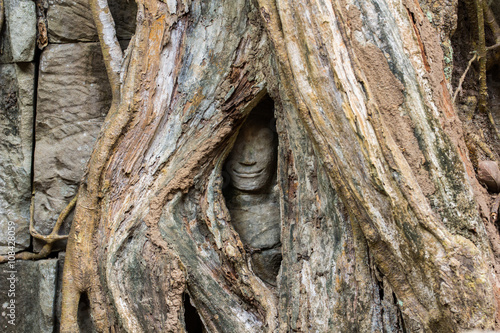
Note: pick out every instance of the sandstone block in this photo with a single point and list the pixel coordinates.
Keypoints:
(32, 287)
(71, 20)
(19, 32)
(16, 125)
(73, 99)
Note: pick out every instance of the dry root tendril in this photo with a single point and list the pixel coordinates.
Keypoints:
(49, 239)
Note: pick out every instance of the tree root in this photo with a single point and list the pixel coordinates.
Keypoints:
(484, 147)
(111, 50)
(49, 239)
(490, 20)
(492, 47)
(462, 78)
(482, 9)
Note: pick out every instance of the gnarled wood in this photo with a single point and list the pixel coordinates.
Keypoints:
(380, 226)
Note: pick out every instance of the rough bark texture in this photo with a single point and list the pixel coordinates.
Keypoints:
(381, 225)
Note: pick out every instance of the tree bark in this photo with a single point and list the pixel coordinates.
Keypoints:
(383, 223)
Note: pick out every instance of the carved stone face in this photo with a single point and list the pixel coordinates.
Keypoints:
(251, 162)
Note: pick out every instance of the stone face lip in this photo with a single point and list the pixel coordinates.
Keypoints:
(16, 127)
(73, 99)
(489, 174)
(19, 35)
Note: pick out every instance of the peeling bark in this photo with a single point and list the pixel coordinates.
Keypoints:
(381, 224)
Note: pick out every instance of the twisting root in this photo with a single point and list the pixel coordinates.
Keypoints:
(484, 147)
(492, 47)
(490, 20)
(483, 88)
(462, 78)
(49, 239)
(111, 50)
(54, 236)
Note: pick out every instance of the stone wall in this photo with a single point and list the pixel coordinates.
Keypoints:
(53, 99)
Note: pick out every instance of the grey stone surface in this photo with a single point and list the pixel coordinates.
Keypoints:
(71, 20)
(16, 126)
(252, 160)
(19, 33)
(34, 295)
(256, 218)
(251, 197)
(73, 99)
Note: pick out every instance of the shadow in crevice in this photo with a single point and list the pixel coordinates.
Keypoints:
(84, 320)
(192, 318)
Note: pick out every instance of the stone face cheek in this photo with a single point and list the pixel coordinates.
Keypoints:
(16, 128)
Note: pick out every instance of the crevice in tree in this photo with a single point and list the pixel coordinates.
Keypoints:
(84, 319)
(401, 322)
(192, 319)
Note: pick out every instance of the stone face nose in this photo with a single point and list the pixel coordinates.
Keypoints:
(248, 157)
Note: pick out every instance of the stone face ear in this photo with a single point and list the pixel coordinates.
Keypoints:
(489, 174)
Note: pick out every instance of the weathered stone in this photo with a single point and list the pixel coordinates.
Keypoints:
(252, 161)
(489, 175)
(19, 32)
(16, 126)
(251, 197)
(33, 294)
(71, 21)
(256, 217)
(73, 99)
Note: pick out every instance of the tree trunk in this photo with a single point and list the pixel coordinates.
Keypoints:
(383, 224)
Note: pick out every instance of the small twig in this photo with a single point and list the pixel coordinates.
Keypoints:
(494, 210)
(462, 78)
(49, 239)
(492, 47)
